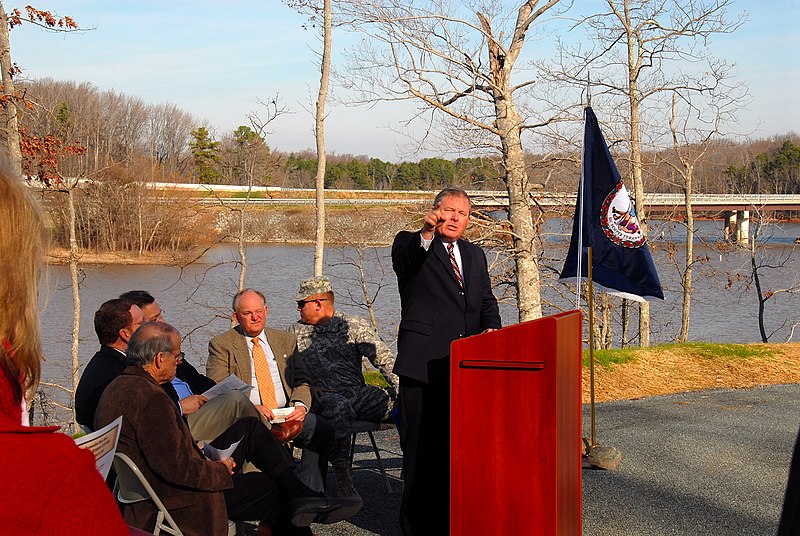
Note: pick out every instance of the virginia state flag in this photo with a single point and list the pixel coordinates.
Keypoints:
(621, 261)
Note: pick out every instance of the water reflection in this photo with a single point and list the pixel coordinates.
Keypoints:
(197, 298)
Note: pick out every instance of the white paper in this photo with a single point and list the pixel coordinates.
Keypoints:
(215, 454)
(280, 414)
(229, 384)
(103, 444)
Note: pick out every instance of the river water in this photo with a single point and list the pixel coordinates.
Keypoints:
(196, 300)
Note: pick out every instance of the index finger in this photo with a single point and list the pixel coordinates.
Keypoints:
(433, 217)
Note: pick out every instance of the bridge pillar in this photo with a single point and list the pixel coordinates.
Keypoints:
(743, 228)
(730, 224)
(737, 226)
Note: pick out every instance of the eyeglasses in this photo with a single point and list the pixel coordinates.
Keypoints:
(178, 357)
(158, 318)
(302, 303)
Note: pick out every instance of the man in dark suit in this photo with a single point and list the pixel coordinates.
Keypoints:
(114, 322)
(267, 359)
(445, 294)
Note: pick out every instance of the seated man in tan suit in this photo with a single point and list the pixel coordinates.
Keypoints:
(266, 359)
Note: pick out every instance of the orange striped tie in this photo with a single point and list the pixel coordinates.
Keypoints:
(266, 389)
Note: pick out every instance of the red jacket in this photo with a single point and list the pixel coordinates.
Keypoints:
(50, 485)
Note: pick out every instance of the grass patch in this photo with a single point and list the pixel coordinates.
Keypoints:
(704, 350)
(253, 195)
(608, 358)
(708, 350)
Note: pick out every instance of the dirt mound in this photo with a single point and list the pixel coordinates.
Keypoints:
(661, 371)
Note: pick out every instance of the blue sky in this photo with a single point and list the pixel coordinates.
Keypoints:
(215, 59)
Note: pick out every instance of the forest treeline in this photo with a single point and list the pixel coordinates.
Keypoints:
(125, 137)
(126, 140)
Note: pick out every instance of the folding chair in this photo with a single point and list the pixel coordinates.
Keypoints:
(133, 488)
(360, 427)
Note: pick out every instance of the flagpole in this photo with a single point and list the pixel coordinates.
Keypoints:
(580, 200)
(590, 304)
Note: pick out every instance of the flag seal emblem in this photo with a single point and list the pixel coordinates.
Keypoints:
(618, 219)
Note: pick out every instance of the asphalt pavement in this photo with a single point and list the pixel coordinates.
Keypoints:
(702, 463)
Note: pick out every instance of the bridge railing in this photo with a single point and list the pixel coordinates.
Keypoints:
(480, 198)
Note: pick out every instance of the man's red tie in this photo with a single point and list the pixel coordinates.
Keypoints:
(455, 265)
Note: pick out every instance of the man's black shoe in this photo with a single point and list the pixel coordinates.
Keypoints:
(348, 507)
(307, 510)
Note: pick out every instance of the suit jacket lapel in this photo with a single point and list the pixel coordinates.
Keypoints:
(242, 356)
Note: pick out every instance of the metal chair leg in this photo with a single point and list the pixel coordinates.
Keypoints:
(380, 463)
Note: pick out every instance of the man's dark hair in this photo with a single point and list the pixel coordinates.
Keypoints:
(139, 297)
(452, 191)
(112, 316)
(148, 341)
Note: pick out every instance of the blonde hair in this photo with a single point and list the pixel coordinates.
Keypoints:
(21, 244)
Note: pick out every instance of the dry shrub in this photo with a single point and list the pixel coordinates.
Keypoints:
(117, 213)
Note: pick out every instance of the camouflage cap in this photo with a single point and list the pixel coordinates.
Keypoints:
(315, 285)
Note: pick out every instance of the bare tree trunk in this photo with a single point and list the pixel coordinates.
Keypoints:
(686, 280)
(606, 333)
(319, 131)
(636, 175)
(508, 123)
(623, 340)
(242, 253)
(519, 214)
(11, 126)
(688, 152)
(139, 219)
(242, 245)
(762, 299)
(76, 297)
(368, 300)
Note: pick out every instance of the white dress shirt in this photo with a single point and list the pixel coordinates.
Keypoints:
(426, 244)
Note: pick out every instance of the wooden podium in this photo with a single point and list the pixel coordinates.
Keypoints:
(515, 433)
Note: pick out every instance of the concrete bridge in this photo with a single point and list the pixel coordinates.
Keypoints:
(734, 208)
(484, 199)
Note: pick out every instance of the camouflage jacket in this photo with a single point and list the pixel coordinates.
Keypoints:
(333, 352)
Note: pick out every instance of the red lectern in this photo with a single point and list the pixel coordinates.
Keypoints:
(515, 433)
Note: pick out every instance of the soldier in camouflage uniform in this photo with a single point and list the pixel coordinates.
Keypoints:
(332, 346)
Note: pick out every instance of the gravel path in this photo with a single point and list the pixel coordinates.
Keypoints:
(709, 462)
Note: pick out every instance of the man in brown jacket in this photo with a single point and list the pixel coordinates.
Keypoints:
(199, 493)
